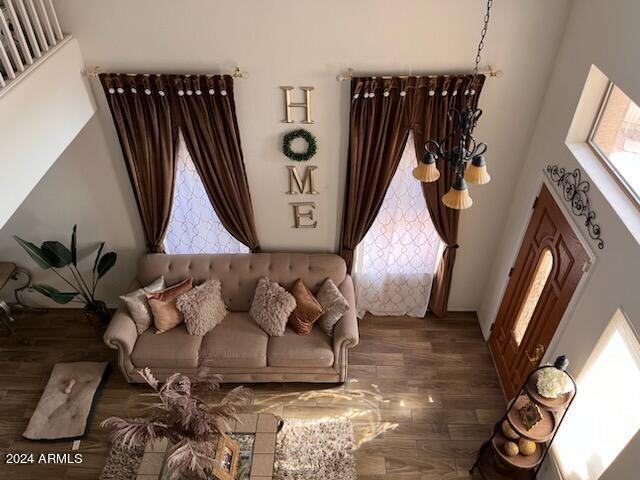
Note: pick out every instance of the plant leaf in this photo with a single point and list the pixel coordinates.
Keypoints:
(74, 252)
(95, 264)
(107, 261)
(58, 255)
(54, 294)
(34, 252)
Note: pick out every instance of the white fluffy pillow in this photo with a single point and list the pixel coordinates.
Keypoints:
(202, 307)
(334, 304)
(138, 304)
(271, 307)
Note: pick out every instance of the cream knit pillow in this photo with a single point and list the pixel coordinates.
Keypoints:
(138, 305)
(334, 304)
(202, 307)
(271, 307)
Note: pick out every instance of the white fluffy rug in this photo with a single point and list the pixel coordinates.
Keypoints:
(315, 450)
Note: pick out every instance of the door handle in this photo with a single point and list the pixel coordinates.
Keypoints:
(537, 354)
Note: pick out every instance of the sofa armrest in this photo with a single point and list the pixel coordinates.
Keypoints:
(121, 332)
(345, 334)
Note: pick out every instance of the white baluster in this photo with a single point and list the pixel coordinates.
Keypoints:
(37, 26)
(17, 29)
(4, 58)
(26, 22)
(46, 24)
(53, 16)
(10, 43)
(2, 84)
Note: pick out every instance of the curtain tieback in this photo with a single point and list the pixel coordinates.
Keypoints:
(456, 246)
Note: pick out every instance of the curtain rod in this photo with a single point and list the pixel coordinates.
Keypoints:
(345, 77)
(95, 71)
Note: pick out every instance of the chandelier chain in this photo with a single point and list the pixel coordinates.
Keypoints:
(483, 34)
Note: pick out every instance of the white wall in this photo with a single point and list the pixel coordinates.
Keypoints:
(604, 34)
(39, 116)
(304, 42)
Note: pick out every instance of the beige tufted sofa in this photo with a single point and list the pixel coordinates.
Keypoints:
(237, 348)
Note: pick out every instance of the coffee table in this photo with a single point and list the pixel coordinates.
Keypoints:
(256, 435)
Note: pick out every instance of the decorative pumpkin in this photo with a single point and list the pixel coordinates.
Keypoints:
(511, 449)
(509, 432)
(527, 447)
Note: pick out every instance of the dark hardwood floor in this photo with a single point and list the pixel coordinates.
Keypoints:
(423, 395)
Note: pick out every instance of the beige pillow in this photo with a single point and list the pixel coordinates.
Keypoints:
(202, 307)
(138, 305)
(271, 307)
(334, 304)
(307, 310)
(163, 305)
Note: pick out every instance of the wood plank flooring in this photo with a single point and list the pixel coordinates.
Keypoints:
(422, 394)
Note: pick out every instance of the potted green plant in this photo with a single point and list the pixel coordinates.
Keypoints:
(54, 256)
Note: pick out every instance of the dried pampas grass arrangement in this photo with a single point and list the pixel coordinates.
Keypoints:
(184, 414)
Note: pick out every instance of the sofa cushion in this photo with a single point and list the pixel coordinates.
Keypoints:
(271, 307)
(239, 273)
(307, 310)
(334, 304)
(293, 350)
(202, 307)
(138, 305)
(175, 348)
(236, 342)
(163, 305)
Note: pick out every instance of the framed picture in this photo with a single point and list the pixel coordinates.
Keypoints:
(227, 456)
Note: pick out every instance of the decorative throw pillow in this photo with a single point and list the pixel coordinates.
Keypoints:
(334, 304)
(307, 310)
(138, 304)
(163, 305)
(202, 307)
(271, 307)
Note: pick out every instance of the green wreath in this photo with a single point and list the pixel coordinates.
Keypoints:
(312, 147)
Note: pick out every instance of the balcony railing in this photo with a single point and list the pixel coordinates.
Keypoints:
(29, 31)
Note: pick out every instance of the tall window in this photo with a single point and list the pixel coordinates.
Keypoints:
(616, 137)
(194, 226)
(397, 258)
(605, 414)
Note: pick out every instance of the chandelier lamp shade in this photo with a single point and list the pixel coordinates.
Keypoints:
(459, 149)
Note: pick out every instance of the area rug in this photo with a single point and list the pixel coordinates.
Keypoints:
(65, 407)
(305, 450)
(315, 450)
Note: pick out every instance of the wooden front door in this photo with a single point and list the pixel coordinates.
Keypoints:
(546, 273)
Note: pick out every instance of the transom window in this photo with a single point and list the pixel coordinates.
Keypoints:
(616, 137)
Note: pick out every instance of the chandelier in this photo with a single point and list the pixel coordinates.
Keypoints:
(459, 149)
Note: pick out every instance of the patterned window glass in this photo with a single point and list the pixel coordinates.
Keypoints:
(540, 277)
(194, 226)
(396, 260)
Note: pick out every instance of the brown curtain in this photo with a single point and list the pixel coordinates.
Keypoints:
(206, 113)
(430, 122)
(383, 110)
(379, 127)
(147, 133)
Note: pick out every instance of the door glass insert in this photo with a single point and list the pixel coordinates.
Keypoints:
(540, 277)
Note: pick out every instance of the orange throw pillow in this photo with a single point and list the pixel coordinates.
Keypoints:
(163, 305)
(307, 310)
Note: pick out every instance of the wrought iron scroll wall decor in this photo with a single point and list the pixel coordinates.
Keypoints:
(576, 193)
